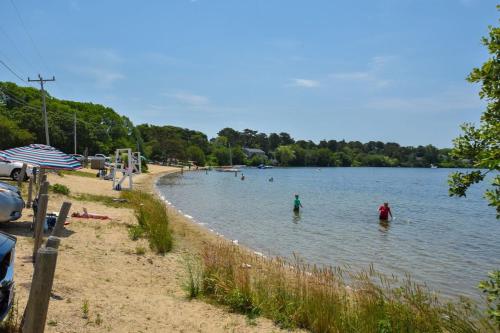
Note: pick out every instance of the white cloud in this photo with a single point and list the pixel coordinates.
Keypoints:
(373, 75)
(101, 65)
(305, 83)
(190, 99)
(102, 77)
(446, 101)
(101, 55)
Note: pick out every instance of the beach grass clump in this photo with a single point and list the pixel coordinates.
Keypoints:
(326, 299)
(192, 286)
(59, 189)
(152, 220)
(103, 199)
(78, 173)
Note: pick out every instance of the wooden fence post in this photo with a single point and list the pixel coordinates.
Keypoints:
(30, 193)
(36, 310)
(41, 175)
(53, 242)
(39, 222)
(44, 188)
(63, 214)
(21, 175)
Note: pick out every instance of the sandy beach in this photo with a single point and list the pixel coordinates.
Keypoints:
(99, 268)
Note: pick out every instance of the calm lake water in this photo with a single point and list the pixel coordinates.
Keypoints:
(449, 243)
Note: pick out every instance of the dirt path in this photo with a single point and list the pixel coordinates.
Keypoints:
(99, 268)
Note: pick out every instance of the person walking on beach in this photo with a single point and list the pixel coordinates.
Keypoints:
(296, 204)
(384, 212)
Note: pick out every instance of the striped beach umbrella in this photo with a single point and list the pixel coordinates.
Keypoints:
(43, 156)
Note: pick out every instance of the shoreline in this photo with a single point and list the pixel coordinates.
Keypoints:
(125, 285)
(207, 234)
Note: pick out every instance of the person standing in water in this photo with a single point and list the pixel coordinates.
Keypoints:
(385, 212)
(296, 204)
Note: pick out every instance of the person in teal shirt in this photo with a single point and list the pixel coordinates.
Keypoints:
(296, 204)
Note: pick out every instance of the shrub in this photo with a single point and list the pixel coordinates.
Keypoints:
(152, 220)
(326, 299)
(60, 189)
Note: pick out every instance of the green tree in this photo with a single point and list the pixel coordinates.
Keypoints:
(13, 136)
(481, 145)
(285, 154)
(196, 154)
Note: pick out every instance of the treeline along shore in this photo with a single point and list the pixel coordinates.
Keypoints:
(101, 130)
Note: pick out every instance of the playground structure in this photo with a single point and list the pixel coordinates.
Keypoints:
(131, 165)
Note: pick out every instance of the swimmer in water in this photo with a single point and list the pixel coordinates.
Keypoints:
(297, 204)
(385, 212)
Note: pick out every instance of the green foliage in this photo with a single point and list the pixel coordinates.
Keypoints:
(140, 251)
(481, 145)
(193, 284)
(102, 130)
(491, 288)
(325, 299)
(164, 143)
(257, 160)
(59, 188)
(104, 199)
(196, 155)
(135, 232)
(77, 173)
(11, 134)
(285, 154)
(99, 128)
(152, 220)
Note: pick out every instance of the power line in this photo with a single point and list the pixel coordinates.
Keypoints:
(44, 64)
(12, 71)
(34, 44)
(12, 41)
(41, 80)
(24, 104)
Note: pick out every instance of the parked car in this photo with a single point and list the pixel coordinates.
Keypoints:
(12, 169)
(78, 157)
(7, 255)
(9, 187)
(11, 203)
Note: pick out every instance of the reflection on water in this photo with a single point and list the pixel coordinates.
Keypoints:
(449, 243)
(296, 216)
(384, 226)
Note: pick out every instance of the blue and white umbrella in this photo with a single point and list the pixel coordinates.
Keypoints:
(43, 156)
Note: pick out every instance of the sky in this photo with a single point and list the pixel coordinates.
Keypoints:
(388, 70)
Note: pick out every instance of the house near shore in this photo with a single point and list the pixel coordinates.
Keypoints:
(251, 152)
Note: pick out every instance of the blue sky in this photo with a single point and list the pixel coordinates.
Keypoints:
(389, 70)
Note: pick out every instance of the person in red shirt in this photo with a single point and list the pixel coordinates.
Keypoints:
(384, 212)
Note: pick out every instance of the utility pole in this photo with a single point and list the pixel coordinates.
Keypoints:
(74, 128)
(44, 107)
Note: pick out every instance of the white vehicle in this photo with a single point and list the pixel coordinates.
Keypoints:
(12, 169)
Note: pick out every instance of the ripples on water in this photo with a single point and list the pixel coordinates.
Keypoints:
(449, 243)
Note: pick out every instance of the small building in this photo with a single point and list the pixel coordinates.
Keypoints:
(251, 152)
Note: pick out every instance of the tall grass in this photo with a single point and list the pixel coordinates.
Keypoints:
(152, 220)
(326, 299)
